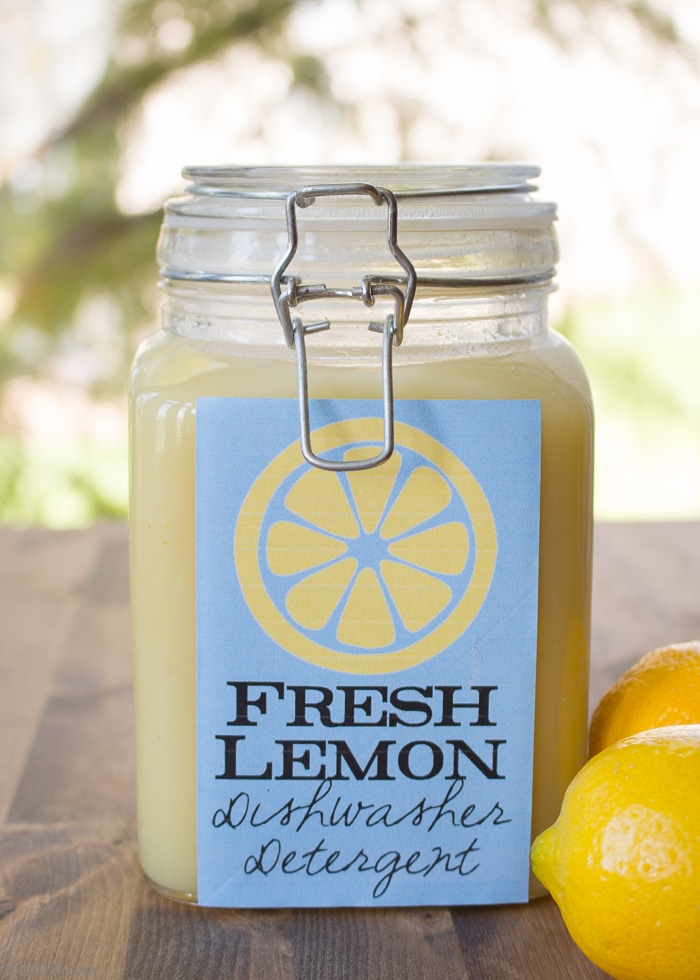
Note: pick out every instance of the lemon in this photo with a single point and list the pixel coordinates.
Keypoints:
(663, 688)
(622, 860)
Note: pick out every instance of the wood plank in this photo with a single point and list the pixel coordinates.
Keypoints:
(66, 892)
(371, 944)
(42, 576)
(520, 943)
(81, 762)
(646, 594)
(68, 869)
(172, 941)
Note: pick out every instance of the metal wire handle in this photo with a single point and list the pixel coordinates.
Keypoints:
(288, 292)
(387, 329)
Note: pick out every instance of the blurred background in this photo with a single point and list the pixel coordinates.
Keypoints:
(103, 101)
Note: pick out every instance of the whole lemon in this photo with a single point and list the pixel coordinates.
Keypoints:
(663, 688)
(622, 860)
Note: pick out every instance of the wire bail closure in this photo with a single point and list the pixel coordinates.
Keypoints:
(288, 292)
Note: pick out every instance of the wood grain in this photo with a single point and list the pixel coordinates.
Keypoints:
(646, 594)
(41, 577)
(72, 899)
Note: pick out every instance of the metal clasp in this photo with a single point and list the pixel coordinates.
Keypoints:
(289, 292)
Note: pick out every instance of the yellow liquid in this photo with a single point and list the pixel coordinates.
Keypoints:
(169, 375)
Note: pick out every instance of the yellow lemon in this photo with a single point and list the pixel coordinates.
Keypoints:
(663, 688)
(622, 860)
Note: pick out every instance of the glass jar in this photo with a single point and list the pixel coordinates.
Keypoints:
(449, 632)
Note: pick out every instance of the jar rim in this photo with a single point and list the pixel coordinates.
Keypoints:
(406, 180)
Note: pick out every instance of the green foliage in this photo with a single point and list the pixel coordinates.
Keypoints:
(70, 485)
(627, 349)
(65, 239)
(554, 18)
(64, 236)
(65, 242)
(641, 353)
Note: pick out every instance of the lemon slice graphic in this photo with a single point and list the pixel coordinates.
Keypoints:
(367, 571)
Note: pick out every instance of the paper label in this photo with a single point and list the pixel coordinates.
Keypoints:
(366, 647)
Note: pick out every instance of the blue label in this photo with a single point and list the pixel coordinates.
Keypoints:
(366, 650)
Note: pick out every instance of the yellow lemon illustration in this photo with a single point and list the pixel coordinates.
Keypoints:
(366, 571)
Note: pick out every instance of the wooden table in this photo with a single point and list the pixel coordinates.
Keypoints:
(72, 901)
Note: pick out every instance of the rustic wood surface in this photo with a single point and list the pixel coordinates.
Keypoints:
(72, 901)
